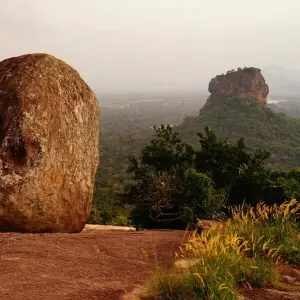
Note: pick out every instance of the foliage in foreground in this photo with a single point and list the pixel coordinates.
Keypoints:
(174, 183)
(244, 251)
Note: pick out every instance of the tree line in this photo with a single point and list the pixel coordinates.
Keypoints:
(173, 182)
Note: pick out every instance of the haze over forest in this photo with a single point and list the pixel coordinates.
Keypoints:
(168, 45)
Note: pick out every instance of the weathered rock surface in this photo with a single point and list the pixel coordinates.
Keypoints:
(244, 83)
(205, 224)
(49, 134)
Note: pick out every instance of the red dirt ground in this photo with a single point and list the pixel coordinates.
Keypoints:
(95, 265)
(102, 265)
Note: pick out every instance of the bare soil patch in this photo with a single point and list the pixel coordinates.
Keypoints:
(96, 265)
(102, 264)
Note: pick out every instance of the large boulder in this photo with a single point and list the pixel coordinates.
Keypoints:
(49, 135)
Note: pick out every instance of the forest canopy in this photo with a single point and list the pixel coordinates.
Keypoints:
(174, 183)
(237, 126)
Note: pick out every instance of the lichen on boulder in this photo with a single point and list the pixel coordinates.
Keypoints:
(49, 135)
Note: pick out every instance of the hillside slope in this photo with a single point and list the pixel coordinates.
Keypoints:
(235, 116)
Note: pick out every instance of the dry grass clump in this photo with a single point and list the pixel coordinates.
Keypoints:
(246, 250)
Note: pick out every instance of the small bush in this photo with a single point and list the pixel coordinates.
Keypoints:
(201, 198)
(95, 216)
(120, 220)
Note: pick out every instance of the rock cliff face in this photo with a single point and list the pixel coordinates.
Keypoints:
(49, 134)
(244, 83)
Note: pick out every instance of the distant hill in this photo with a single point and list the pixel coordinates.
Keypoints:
(233, 115)
(289, 108)
(282, 81)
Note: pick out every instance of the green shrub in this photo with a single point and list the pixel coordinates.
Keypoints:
(201, 199)
(120, 220)
(95, 216)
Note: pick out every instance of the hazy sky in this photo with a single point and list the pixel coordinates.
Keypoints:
(135, 45)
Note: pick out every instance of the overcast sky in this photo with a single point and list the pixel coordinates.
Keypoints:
(131, 45)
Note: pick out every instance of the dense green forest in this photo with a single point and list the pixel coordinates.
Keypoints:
(127, 127)
(261, 127)
(174, 183)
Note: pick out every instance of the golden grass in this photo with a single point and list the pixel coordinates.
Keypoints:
(246, 250)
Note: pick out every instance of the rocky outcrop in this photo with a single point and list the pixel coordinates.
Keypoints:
(243, 83)
(202, 225)
(49, 133)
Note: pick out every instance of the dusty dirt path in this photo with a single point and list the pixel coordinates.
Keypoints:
(102, 265)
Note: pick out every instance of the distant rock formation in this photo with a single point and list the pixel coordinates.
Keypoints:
(49, 134)
(243, 83)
